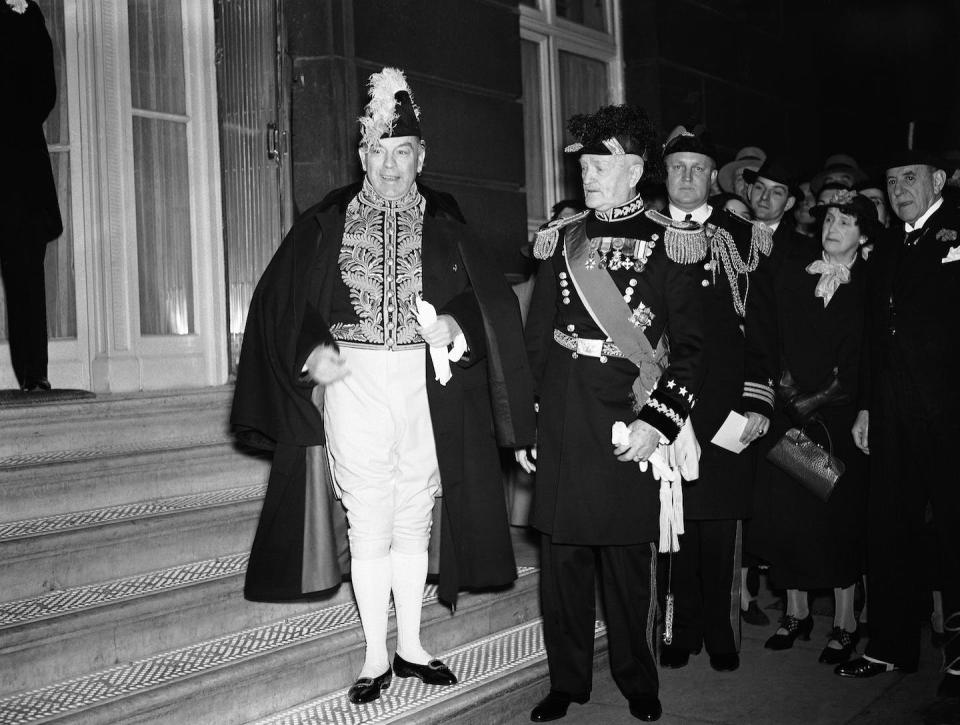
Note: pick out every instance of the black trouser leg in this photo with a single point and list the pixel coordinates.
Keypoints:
(568, 602)
(720, 582)
(629, 583)
(680, 574)
(21, 266)
(945, 503)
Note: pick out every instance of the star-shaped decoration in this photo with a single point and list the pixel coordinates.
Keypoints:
(671, 384)
(683, 390)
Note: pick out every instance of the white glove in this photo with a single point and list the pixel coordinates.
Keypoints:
(686, 453)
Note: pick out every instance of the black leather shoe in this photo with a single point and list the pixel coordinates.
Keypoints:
(368, 689)
(795, 628)
(432, 673)
(836, 655)
(726, 662)
(754, 615)
(861, 668)
(646, 707)
(674, 657)
(949, 686)
(553, 706)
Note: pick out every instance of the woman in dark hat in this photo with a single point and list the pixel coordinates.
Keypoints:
(811, 544)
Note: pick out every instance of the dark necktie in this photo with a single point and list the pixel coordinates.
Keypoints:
(911, 238)
(688, 217)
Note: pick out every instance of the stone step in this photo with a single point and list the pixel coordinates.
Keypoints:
(63, 551)
(112, 422)
(34, 487)
(71, 633)
(258, 671)
(501, 676)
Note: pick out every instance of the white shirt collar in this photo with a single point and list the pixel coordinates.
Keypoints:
(773, 227)
(698, 215)
(922, 219)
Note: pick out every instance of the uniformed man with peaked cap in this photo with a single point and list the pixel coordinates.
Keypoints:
(740, 363)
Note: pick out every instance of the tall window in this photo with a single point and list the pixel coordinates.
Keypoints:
(158, 107)
(570, 52)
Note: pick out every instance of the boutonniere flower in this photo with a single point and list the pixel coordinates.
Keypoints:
(947, 235)
(18, 6)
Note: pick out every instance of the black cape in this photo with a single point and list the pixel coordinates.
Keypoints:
(300, 547)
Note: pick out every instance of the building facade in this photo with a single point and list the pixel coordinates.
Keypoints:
(188, 134)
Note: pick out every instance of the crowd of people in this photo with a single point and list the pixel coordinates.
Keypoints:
(667, 348)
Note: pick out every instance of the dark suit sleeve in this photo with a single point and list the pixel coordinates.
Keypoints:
(761, 363)
(314, 332)
(670, 403)
(465, 309)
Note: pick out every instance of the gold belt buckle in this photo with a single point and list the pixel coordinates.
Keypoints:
(590, 348)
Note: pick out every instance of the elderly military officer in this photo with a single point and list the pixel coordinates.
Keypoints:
(607, 292)
(740, 364)
(338, 324)
(911, 423)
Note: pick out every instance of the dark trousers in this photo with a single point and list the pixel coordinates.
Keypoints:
(21, 266)
(705, 579)
(568, 600)
(913, 462)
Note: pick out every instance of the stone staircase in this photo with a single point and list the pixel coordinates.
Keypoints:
(125, 523)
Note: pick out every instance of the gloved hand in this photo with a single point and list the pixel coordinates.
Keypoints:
(801, 408)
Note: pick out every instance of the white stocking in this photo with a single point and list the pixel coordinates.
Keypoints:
(409, 576)
(371, 587)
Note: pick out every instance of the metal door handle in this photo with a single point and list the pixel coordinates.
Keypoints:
(273, 142)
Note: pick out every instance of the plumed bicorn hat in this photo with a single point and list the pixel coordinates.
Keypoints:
(391, 110)
(613, 130)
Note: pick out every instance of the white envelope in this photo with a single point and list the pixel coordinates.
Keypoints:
(728, 436)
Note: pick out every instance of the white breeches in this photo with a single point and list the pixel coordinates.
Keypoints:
(382, 452)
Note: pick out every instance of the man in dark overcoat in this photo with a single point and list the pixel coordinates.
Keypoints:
(29, 210)
(911, 424)
(346, 357)
(739, 350)
(609, 289)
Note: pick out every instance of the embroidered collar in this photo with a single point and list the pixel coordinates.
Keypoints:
(369, 197)
(632, 208)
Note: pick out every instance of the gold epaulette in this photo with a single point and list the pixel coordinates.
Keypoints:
(685, 242)
(759, 235)
(549, 234)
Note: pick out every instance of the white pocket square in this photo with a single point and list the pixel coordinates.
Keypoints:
(953, 255)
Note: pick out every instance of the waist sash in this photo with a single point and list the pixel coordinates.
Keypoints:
(606, 306)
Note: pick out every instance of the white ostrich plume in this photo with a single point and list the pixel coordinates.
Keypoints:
(380, 114)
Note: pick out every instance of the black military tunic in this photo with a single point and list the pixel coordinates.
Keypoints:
(739, 370)
(583, 494)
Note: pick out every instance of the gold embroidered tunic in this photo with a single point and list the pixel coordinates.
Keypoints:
(380, 267)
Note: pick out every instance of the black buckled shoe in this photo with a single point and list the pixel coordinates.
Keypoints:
(674, 657)
(432, 673)
(553, 706)
(368, 689)
(646, 708)
(795, 628)
(861, 668)
(725, 662)
(836, 655)
(754, 615)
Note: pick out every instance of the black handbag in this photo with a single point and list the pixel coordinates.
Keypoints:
(806, 461)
